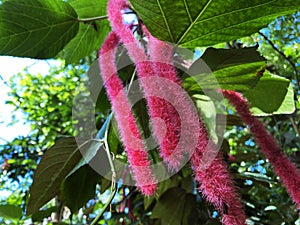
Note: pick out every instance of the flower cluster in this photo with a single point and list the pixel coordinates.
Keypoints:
(185, 137)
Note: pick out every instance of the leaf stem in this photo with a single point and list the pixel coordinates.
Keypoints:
(86, 20)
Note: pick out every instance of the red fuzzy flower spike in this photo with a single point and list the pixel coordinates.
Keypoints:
(210, 170)
(162, 61)
(284, 168)
(134, 146)
(215, 181)
(160, 105)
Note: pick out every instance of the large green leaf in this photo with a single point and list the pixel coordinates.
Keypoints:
(55, 165)
(272, 95)
(192, 23)
(231, 69)
(36, 28)
(91, 34)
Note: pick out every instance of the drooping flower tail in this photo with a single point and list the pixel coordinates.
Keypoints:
(151, 86)
(215, 181)
(131, 137)
(161, 56)
(212, 174)
(284, 168)
(159, 106)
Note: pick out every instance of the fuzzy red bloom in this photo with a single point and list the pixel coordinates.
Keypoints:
(284, 168)
(215, 181)
(162, 61)
(134, 146)
(212, 175)
(161, 104)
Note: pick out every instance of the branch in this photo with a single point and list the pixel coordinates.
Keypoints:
(284, 56)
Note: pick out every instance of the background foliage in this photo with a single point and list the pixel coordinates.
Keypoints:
(264, 66)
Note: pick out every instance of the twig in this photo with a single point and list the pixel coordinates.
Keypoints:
(86, 20)
(4, 81)
(295, 126)
(284, 56)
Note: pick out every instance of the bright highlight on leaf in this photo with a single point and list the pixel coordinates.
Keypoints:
(36, 28)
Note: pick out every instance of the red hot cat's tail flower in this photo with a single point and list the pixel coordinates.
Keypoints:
(212, 174)
(284, 168)
(215, 181)
(223, 195)
(160, 105)
(134, 146)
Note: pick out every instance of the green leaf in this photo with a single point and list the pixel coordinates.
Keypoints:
(10, 212)
(91, 34)
(231, 69)
(79, 187)
(202, 23)
(175, 207)
(36, 28)
(55, 165)
(272, 95)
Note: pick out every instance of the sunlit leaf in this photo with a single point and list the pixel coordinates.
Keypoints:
(231, 69)
(272, 95)
(36, 28)
(91, 34)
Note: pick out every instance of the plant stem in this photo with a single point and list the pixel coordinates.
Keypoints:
(114, 184)
(85, 20)
(284, 56)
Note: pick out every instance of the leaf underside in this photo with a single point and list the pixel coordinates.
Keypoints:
(55, 165)
(192, 23)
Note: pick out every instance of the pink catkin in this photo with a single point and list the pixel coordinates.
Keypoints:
(214, 179)
(284, 168)
(217, 186)
(162, 61)
(158, 106)
(137, 155)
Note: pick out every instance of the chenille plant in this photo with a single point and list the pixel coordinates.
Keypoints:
(178, 170)
(213, 177)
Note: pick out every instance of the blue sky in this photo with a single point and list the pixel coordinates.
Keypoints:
(8, 67)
